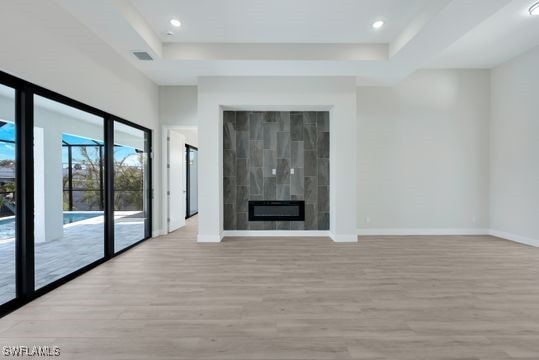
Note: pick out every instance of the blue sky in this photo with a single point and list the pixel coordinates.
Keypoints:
(7, 150)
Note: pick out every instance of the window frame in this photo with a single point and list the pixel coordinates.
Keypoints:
(188, 213)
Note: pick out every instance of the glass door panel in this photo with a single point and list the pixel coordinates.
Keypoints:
(131, 185)
(8, 204)
(68, 189)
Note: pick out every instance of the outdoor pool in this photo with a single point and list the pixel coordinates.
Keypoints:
(71, 217)
(7, 225)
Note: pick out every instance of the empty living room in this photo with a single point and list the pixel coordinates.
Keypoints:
(269, 179)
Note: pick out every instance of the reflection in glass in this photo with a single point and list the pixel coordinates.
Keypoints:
(131, 186)
(68, 187)
(7, 194)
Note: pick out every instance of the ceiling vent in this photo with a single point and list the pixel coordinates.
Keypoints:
(142, 55)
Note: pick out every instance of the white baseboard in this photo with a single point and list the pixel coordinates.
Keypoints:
(365, 232)
(209, 238)
(273, 233)
(514, 237)
(407, 232)
(418, 232)
(344, 238)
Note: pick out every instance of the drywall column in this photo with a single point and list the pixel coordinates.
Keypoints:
(514, 155)
(338, 95)
(39, 186)
(210, 125)
(343, 167)
(48, 187)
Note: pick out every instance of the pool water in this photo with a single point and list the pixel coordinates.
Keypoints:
(7, 226)
(74, 217)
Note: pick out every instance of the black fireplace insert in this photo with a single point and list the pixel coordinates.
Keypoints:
(277, 210)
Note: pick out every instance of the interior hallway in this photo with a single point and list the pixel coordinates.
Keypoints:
(432, 297)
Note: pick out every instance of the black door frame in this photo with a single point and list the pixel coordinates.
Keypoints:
(188, 181)
(24, 159)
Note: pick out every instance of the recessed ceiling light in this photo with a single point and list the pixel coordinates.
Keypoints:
(534, 10)
(377, 24)
(175, 22)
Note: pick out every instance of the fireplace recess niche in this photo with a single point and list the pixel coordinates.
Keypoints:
(276, 156)
(275, 210)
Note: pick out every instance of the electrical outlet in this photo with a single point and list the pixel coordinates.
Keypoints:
(291, 171)
(273, 171)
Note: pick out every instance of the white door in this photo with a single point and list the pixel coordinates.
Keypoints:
(176, 181)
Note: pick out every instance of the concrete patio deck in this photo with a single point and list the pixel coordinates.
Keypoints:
(82, 244)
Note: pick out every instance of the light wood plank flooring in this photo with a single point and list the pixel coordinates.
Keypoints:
(409, 298)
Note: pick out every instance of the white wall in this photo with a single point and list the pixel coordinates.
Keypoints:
(444, 151)
(423, 154)
(178, 105)
(514, 146)
(191, 136)
(178, 110)
(278, 93)
(54, 50)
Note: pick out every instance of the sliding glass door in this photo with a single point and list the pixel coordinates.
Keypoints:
(69, 225)
(8, 204)
(131, 185)
(75, 189)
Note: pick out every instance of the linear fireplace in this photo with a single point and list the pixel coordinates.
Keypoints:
(271, 157)
(276, 210)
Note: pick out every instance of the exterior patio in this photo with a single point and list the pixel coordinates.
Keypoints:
(82, 244)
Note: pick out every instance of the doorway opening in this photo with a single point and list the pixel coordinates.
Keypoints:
(180, 177)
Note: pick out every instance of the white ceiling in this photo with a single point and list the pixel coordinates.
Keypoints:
(507, 33)
(309, 37)
(279, 21)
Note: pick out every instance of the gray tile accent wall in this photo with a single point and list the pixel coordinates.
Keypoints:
(255, 143)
